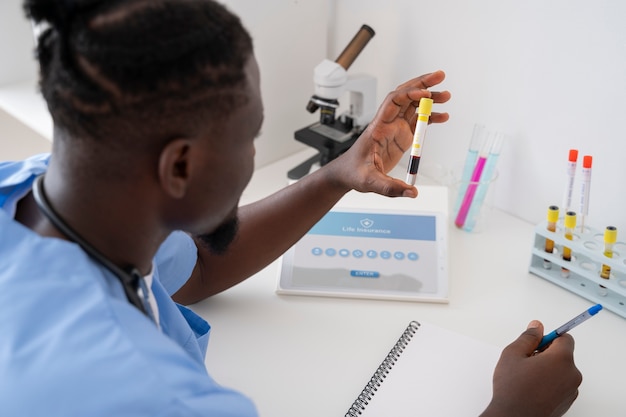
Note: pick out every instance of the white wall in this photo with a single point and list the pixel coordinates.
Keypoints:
(550, 74)
(290, 39)
(16, 44)
(18, 99)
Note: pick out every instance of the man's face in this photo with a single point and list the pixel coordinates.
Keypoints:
(230, 165)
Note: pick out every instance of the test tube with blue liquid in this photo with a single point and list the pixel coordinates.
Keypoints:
(485, 180)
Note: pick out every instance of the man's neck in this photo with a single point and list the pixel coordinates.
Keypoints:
(107, 217)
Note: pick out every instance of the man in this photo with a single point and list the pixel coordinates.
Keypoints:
(156, 105)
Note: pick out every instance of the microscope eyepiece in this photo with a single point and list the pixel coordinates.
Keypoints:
(356, 45)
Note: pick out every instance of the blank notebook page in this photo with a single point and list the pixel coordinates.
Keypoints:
(439, 374)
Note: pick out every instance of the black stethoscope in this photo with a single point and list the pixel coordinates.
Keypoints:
(131, 279)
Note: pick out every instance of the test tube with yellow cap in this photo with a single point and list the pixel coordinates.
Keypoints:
(570, 225)
(610, 237)
(423, 115)
(553, 217)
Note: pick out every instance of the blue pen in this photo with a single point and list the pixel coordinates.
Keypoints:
(547, 339)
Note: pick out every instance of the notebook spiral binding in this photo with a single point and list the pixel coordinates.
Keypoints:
(383, 370)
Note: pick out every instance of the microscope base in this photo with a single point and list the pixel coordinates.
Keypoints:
(330, 140)
(304, 168)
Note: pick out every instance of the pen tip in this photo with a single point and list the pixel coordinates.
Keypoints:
(593, 310)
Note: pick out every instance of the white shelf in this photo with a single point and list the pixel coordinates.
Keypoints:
(24, 102)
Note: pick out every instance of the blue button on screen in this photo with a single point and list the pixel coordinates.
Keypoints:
(364, 274)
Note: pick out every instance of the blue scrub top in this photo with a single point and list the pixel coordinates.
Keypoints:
(72, 344)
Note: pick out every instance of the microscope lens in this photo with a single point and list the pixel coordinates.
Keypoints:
(312, 106)
(327, 115)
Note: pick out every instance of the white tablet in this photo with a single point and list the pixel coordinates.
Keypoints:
(370, 253)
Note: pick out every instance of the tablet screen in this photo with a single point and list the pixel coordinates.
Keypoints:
(370, 254)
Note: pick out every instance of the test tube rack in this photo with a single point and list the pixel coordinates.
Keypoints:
(584, 268)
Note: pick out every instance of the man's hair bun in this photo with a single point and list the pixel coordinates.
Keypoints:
(56, 12)
(53, 12)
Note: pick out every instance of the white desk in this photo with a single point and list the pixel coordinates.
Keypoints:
(311, 356)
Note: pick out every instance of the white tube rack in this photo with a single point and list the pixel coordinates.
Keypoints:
(585, 266)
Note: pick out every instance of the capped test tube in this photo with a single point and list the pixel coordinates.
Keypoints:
(571, 174)
(610, 237)
(423, 114)
(584, 192)
(570, 225)
(553, 217)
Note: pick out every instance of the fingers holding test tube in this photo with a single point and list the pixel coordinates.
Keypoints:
(414, 90)
(388, 136)
(421, 116)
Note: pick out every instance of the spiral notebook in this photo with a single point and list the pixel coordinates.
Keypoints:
(431, 372)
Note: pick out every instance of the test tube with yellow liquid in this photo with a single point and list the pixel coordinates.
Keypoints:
(570, 225)
(553, 217)
(610, 237)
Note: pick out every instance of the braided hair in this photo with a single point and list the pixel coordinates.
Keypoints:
(123, 70)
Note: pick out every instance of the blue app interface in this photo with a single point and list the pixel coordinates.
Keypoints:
(368, 251)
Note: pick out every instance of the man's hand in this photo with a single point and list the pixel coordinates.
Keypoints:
(530, 384)
(365, 165)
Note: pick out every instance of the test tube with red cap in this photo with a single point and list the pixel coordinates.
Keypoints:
(571, 174)
(584, 192)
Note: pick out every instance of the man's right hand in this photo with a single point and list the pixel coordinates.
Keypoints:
(527, 383)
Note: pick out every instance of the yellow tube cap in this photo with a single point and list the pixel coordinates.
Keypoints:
(570, 220)
(553, 214)
(610, 234)
(426, 106)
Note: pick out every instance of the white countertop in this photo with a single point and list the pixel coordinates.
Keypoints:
(24, 102)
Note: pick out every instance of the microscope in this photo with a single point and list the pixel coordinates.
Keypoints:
(333, 135)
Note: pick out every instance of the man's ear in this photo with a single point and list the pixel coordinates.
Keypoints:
(175, 167)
